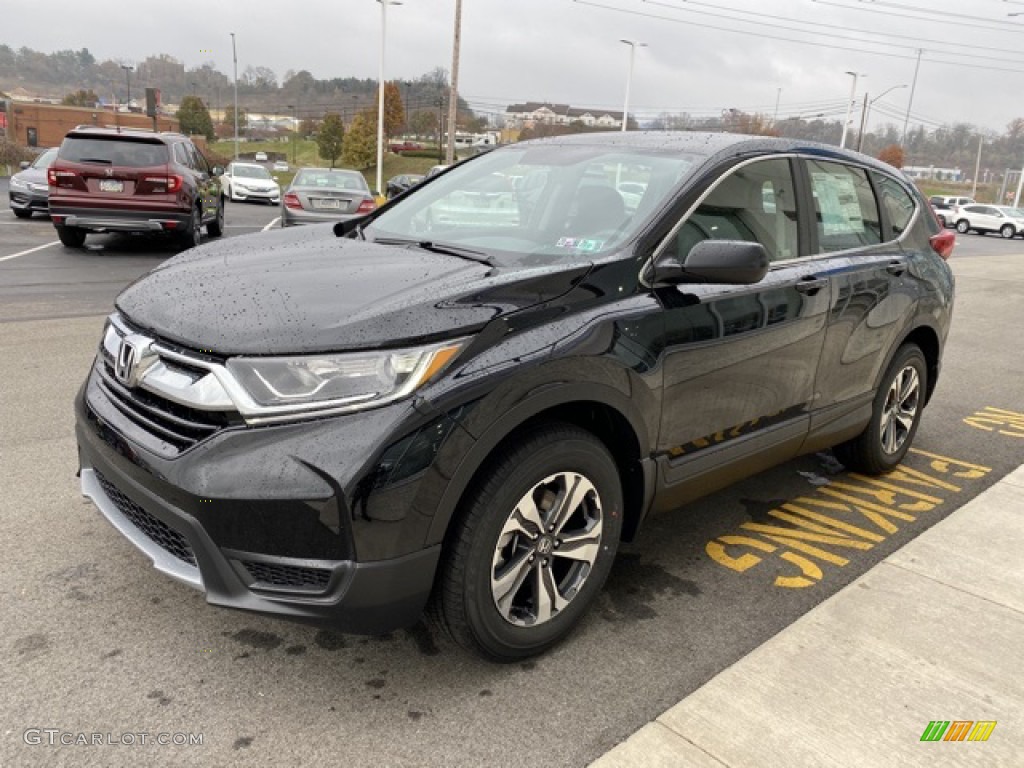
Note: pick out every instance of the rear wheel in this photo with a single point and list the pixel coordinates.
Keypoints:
(72, 237)
(895, 416)
(534, 545)
(22, 213)
(963, 226)
(216, 227)
(1008, 231)
(193, 234)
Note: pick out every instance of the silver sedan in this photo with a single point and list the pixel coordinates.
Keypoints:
(325, 194)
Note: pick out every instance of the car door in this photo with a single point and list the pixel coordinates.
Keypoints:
(870, 297)
(740, 360)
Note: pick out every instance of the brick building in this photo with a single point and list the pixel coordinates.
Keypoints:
(44, 125)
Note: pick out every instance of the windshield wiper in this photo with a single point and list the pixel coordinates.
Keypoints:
(449, 250)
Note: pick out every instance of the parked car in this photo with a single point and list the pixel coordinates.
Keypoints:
(325, 194)
(1007, 221)
(396, 185)
(133, 181)
(260, 157)
(280, 165)
(434, 170)
(28, 191)
(946, 207)
(477, 414)
(404, 146)
(247, 181)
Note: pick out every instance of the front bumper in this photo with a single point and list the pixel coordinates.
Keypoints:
(29, 200)
(266, 195)
(245, 517)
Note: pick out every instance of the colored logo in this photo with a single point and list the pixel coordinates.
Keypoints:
(958, 730)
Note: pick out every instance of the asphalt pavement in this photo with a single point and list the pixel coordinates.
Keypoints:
(96, 644)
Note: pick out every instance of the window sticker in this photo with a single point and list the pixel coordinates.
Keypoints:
(840, 207)
(580, 244)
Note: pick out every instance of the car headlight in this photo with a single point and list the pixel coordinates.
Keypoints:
(341, 382)
(17, 183)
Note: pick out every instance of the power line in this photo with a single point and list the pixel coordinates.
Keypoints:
(932, 17)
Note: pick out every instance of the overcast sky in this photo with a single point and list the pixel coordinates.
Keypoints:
(568, 51)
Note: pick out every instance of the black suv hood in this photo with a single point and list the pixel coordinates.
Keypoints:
(294, 292)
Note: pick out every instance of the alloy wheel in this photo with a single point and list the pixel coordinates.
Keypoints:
(900, 409)
(546, 549)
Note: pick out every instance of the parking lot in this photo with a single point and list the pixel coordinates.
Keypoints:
(96, 641)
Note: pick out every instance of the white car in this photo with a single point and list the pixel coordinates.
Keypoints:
(1003, 219)
(280, 165)
(247, 181)
(261, 157)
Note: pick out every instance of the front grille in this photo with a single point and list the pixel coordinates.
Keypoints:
(178, 425)
(156, 529)
(287, 576)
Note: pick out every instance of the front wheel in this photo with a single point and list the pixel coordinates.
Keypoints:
(535, 542)
(1007, 231)
(963, 226)
(72, 237)
(895, 416)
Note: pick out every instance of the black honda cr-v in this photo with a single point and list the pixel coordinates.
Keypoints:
(470, 396)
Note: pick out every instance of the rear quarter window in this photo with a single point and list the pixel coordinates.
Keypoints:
(898, 205)
(116, 152)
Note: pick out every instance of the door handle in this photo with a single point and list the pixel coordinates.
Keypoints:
(811, 285)
(896, 268)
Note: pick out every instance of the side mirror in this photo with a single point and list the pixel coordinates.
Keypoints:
(24, 164)
(729, 262)
(217, 170)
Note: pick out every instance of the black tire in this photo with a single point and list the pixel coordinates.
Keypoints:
(216, 227)
(72, 237)
(193, 234)
(543, 465)
(22, 213)
(963, 226)
(887, 438)
(1007, 231)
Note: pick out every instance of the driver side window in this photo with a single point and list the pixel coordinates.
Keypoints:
(755, 203)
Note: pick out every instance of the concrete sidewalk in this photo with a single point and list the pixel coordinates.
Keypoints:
(933, 632)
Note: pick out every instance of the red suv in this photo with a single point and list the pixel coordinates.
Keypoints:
(130, 180)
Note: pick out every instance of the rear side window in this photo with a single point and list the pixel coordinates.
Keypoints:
(845, 207)
(118, 152)
(898, 205)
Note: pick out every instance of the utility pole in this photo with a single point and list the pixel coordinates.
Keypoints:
(128, 79)
(863, 120)
(910, 101)
(977, 169)
(849, 107)
(453, 96)
(440, 129)
(778, 98)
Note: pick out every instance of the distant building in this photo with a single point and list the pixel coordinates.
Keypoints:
(33, 124)
(533, 112)
(931, 172)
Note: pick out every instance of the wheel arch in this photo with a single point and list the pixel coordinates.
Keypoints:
(927, 340)
(602, 411)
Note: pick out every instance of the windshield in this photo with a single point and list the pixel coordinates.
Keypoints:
(544, 201)
(45, 160)
(330, 180)
(251, 172)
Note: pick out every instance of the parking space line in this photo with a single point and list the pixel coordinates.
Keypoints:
(30, 250)
(272, 223)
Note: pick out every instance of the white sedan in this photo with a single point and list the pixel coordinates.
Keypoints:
(1003, 219)
(247, 181)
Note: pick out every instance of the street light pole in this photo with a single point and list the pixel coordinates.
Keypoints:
(849, 107)
(633, 45)
(867, 111)
(380, 92)
(234, 56)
